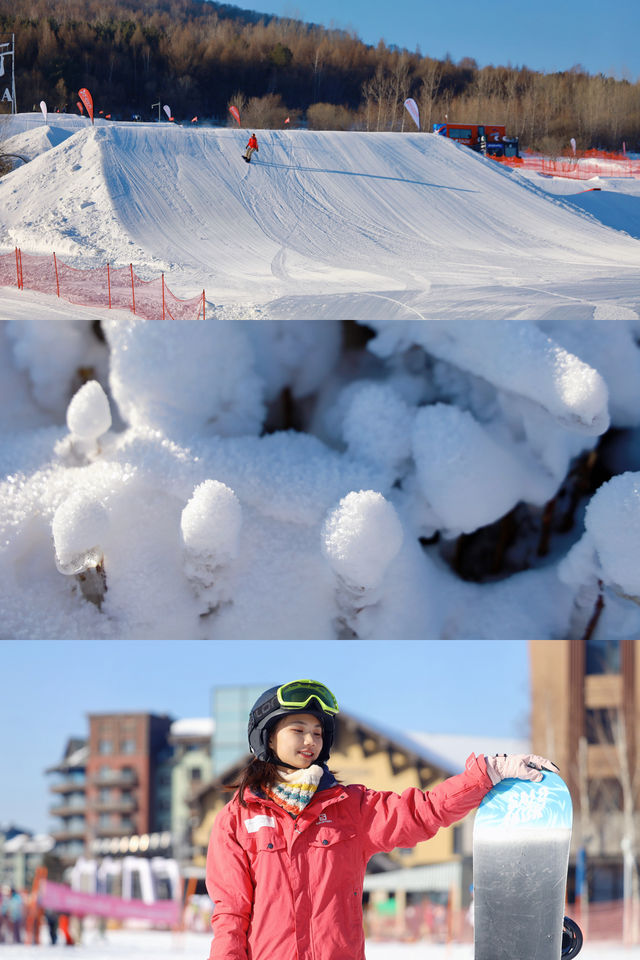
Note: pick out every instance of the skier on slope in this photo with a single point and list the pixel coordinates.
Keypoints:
(252, 146)
(287, 856)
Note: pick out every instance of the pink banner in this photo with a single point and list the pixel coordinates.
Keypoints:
(58, 897)
(87, 99)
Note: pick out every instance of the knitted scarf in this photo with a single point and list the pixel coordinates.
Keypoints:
(296, 788)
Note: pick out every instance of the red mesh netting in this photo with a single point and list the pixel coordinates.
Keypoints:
(114, 288)
(590, 164)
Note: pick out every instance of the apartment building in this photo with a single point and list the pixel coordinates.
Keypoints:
(69, 807)
(126, 751)
(113, 787)
(191, 767)
(586, 716)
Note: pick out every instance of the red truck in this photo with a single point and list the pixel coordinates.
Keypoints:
(487, 138)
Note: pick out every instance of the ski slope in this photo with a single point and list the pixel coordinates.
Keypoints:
(324, 212)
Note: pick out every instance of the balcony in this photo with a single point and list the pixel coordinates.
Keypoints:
(115, 778)
(68, 786)
(68, 809)
(68, 833)
(112, 830)
(602, 761)
(603, 691)
(117, 805)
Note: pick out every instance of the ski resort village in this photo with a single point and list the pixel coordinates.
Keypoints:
(132, 802)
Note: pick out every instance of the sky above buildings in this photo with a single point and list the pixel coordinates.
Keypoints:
(545, 36)
(49, 688)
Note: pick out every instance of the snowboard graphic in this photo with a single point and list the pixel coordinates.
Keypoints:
(521, 843)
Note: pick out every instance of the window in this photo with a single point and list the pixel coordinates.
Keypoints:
(460, 134)
(196, 774)
(105, 746)
(600, 725)
(603, 655)
(605, 796)
(128, 746)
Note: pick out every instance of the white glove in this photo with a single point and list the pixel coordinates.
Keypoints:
(520, 766)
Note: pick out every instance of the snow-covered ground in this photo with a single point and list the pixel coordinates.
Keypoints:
(505, 313)
(152, 945)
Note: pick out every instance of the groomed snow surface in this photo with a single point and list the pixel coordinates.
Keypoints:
(504, 319)
(154, 945)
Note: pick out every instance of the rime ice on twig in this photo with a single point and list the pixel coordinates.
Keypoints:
(210, 527)
(79, 527)
(88, 418)
(360, 538)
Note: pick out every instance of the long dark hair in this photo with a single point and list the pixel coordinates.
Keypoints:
(257, 775)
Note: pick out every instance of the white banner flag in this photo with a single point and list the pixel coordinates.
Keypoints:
(167, 110)
(43, 107)
(412, 107)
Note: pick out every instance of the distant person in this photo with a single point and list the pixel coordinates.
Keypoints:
(52, 923)
(287, 856)
(64, 929)
(5, 894)
(252, 146)
(15, 912)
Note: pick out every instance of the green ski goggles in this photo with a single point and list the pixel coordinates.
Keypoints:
(299, 693)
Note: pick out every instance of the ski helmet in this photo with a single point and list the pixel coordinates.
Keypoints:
(299, 696)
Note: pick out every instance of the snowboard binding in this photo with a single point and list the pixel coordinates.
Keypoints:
(571, 939)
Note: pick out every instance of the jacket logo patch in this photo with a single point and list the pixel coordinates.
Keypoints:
(254, 823)
(323, 818)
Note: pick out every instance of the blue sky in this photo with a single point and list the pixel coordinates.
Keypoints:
(49, 688)
(545, 35)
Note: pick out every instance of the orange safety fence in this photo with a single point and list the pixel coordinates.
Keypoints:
(588, 165)
(112, 287)
(439, 922)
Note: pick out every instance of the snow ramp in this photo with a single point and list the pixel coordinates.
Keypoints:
(315, 213)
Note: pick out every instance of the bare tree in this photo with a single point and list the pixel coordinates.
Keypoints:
(429, 91)
(399, 89)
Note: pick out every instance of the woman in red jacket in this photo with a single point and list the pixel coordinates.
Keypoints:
(287, 856)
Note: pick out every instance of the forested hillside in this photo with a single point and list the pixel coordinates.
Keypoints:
(199, 57)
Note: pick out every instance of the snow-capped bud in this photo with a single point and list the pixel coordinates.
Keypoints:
(361, 537)
(88, 413)
(79, 526)
(211, 522)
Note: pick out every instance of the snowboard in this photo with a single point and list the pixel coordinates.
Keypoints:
(246, 159)
(521, 840)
